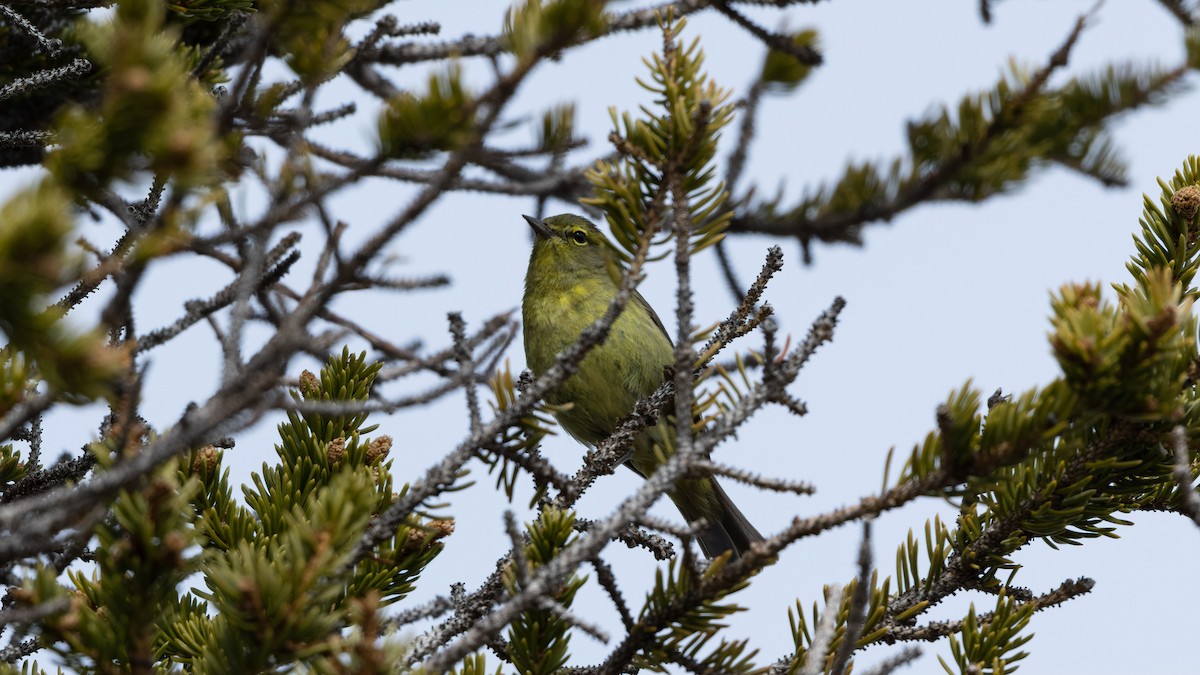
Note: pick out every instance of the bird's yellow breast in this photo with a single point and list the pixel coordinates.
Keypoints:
(615, 374)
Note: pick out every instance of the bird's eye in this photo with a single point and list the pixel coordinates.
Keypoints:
(579, 236)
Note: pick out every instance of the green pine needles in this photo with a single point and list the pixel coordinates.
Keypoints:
(989, 143)
(673, 140)
(1059, 464)
(539, 639)
(189, 579)
(139, 554)
(685, 624)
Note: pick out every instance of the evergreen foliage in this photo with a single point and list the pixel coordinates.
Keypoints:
(539, 639)
(271, 583)
(1059, 464)
(137, 555)
(680, 137)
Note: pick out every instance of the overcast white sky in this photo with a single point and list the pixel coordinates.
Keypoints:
(941, 295)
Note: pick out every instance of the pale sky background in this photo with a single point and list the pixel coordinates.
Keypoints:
(943, 294)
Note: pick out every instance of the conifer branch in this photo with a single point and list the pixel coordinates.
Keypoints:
(961, 568)
(684, 308)
(51, 45)
(15, 651)
(467, 610)
(34, 438)
(24, 139)
(867, 193)
(932, 632)
(214, 52)
(634, 537)
(565, 615)
(44, 78)
(781, 43)
(62, 472)
(245, 383)
(559, 568)
(323, 534)
(733, 173)
(609, 453)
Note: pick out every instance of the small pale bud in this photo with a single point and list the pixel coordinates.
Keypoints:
(206, 459)
(433, 530)
(1186, 201)
(442, 528)
(310, 386)
(378, 449)
(335, 450)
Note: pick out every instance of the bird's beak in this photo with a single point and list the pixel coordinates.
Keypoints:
(539, 227)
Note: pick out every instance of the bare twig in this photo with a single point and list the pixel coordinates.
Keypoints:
(44, 78)
(23, 413)
(462, 354)
(818, 650)
(33, 613)
(276, 263)
(780, 43)
(631, 509)
(634, 537)
(232, 26)
(890, 665)
(567, 616)
(705, 467)
(932, 632)
(13, 652)
(467, 610)
(858, 605)
(430, 610)
(520, 563)
(608, 581)
(1189, 503)
(52, 45)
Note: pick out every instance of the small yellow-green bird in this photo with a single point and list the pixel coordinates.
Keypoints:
(568, 286)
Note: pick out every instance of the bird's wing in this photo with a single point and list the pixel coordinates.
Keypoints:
(641, 302)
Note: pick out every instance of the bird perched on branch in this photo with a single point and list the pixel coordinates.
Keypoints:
(569, 285)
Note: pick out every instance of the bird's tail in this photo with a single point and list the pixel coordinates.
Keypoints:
(725, 528)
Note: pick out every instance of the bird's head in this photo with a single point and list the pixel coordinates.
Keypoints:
(569, 244)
